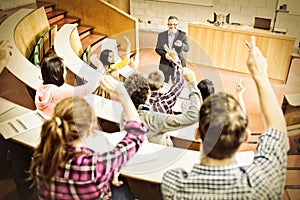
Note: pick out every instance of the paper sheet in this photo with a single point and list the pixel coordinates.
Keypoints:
(104, 142)
(21, 124)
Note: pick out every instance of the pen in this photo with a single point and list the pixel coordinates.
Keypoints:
(247, 44)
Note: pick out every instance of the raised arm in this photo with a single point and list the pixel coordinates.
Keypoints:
(128, 47)
(119, 93)
(5, 52)
(240, 89)
(271, 111)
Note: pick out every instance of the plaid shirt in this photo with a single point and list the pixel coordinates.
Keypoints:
(88, 175)
(164, 102)
(263, 179)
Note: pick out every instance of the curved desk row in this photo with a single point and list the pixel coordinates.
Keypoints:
(18, 64)
(104, 108)
(149, 164)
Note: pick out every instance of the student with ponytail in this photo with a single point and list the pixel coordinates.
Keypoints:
(63, 168)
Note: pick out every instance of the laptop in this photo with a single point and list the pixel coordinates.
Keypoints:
(262, 23)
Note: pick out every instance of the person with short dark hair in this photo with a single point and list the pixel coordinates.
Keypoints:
(223, 127)
(174, 39)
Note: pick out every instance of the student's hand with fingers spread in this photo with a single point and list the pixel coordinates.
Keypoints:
(257, 63)
(5, 52)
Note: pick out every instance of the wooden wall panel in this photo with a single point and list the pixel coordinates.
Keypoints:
(226, 48)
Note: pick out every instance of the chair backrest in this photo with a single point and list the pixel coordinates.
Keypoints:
(43, 45)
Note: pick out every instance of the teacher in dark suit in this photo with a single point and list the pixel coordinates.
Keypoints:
(176, 39)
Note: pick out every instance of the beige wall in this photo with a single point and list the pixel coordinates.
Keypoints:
(8, 4)
(242, 11)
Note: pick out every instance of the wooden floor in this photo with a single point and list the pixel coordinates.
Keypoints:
(14, 90)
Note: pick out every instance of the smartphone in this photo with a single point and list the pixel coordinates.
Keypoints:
(247, 44)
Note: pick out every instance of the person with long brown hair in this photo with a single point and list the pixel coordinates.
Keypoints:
(64, 168)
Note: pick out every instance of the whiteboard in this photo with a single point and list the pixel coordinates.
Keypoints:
(208, 3)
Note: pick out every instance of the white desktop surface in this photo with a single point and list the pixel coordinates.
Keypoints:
(105, 108)
(156, 159)
(187, 133)
(293, 99)
(30, 138)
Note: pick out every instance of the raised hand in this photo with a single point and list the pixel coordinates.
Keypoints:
(240, 89)
(171, 54)
(5, 52)
(257, 63)
(126, 40)
(114, 87)
(188, 74)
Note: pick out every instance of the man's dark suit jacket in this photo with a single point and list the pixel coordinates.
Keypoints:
(163, 39)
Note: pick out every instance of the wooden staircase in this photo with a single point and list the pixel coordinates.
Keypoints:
(60, 18)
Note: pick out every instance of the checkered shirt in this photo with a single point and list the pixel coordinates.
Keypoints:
(263, 179)
(164, 102)
(88, 175)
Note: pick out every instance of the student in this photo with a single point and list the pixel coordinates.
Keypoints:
(206, 88)
(160, 123)
(53, 89)
(164, 102)
(107, 57)
(173, 38)
(64, 168)
(223, 126)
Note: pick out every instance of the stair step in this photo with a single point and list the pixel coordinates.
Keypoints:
(55, 16)
(47, 6)
(93, 40)
(84, 31)
(63, 21)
